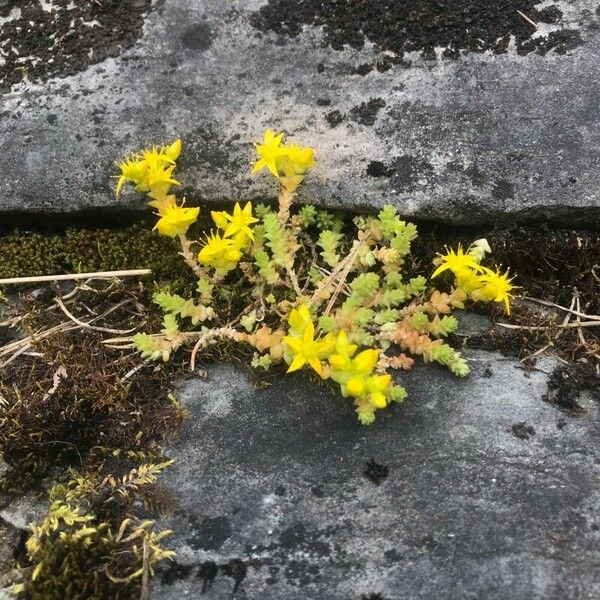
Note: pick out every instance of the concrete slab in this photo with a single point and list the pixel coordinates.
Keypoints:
(485, 138)
(489, 492)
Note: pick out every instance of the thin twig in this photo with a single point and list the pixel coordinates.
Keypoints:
(135, 369)
(579, 330)
(145, 591)
(74, 276)
(210, 338)
(564, 308)
(324, 284)
(524, 16)
(342, 281)
(292, 275)
(85, 325)
(549, 327)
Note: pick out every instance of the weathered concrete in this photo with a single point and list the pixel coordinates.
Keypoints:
(270, 487)
(484, 138)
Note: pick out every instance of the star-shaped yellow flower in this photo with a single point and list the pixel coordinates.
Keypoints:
(308, 350)
(298, 159)
(496, 287)
(151, 170)
(457, 262)
(175, 220)
(219, 252)
(237, 223)
(269, 151)
(344, 351)
(299, 318)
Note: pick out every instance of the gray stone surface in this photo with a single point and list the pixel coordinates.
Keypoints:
(21, 511)
(484, 138)
(274, 479)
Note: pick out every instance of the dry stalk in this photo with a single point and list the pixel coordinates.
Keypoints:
(577, 313)
(286, 198)
(85, 325)
(524, 16)
(550, 327)
(75, 276)
(341, 269)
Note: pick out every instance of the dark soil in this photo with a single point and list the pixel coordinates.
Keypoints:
(71, 406)
(37, 44)
(568, 381)
(402, 26)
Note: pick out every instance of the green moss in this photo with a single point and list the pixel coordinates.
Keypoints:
(26, 254)
(95, 541)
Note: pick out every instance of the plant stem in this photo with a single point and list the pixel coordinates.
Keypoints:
(210, 337)
(286, 197)
(190, 259)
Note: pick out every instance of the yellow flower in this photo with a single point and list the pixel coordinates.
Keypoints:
(365, 362)
(344, 351)
(306, 349)
(269, 151)
(175, 220)
(297, 160)
(467, 280)
(282, 160)
(457, 262)
(221, 253)
(496, 287)
(133, 170)
(378, 387)
(237, 223)
(353, 373)
(298, 319)
(356, 387)
(173, 151)
(151, 171)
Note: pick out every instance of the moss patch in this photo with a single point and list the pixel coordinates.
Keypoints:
(28, 254)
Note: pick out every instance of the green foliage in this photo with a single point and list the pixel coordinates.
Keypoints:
(152, 348)
(266, 267)
(329, 241)
(308, 214)
(306, 289)
(447, 356)
(276, 239)
(177, 306)
(325, 220)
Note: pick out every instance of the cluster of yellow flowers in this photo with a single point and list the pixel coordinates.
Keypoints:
(287, 162)
(476, 281)
(223, 252)
(151, 172)
(333, 356)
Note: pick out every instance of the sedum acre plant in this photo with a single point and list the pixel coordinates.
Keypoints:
(301, 288)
